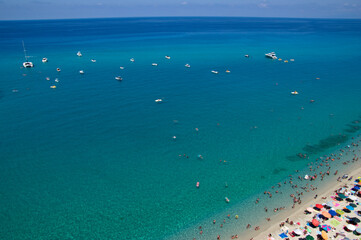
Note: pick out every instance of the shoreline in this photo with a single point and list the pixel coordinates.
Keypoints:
(344, 153)
(324, 192)
(298, 215)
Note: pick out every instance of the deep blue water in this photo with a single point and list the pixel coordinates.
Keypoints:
(95, 158)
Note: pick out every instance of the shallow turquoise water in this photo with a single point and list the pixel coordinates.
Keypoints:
(95, 158)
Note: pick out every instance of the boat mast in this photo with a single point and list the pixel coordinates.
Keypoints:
(26, 58)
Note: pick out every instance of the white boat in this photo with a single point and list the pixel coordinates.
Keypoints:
(307, 177)
(215, 72)
(132, 59)
(121, 68)
(119, 78)
(187, 65)
(227, 71)
(44, 60)
(154, 64)
(294, 93)
(81, 71)
(271, 55)
(227, 200)
(167, 57)
(27, 64)
(58, 69)
(247, 56)
(93, 60)
(79, 54)
(159, 100)
(56, 80)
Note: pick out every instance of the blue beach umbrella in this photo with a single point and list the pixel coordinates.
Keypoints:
(356, 187)
(332, 213)
(349, 207)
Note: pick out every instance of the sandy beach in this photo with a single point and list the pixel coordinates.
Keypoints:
(324, 194)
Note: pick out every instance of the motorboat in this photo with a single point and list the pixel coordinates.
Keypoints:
(121, 68)
(227, 199)
(58, 69)
(119, 78)
(197, 185)
(187, 65)
(227, 71)
(81, 71)
(159, 100)
(132, 60)
(93, 60)
(27, 64)
(294, 93)
(247, 56)
(167, 57)
(44, 60)
(154, 64)
(271, 55)
(79, 54)
(53, 86)
(215, 72)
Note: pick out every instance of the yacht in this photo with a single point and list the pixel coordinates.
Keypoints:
(79, 54)
(215, 72)
(271, 55)
(159, 100)
(119, 78)
(27, 64)
(187, 65)
(44, 60)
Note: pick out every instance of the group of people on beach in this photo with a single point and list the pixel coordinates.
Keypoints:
(303, 184)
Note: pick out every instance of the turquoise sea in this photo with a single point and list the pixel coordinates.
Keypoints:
(95, 158)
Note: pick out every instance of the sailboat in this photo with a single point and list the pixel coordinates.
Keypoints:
(27, 64)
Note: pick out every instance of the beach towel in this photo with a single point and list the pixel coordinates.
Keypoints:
(334, 223)
(282, 235)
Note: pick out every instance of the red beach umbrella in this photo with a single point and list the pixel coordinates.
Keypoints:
(319, 206)
(315, 223)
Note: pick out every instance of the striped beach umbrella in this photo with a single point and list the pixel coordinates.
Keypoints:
(326, 227)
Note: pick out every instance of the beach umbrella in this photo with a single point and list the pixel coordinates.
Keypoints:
(353, 205)
(309, 237)
(341, 195)
(339, 211)
(326, 214)
(358, 230)
(315, 222)
(298, 232)
(332, 213)
(355, 219)
(353, 198)
(326, 227)
(324, 235)
(346, 210)
(319, 206)
(356, 187)
(349, 207)
(351, 227)
(309, 209)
